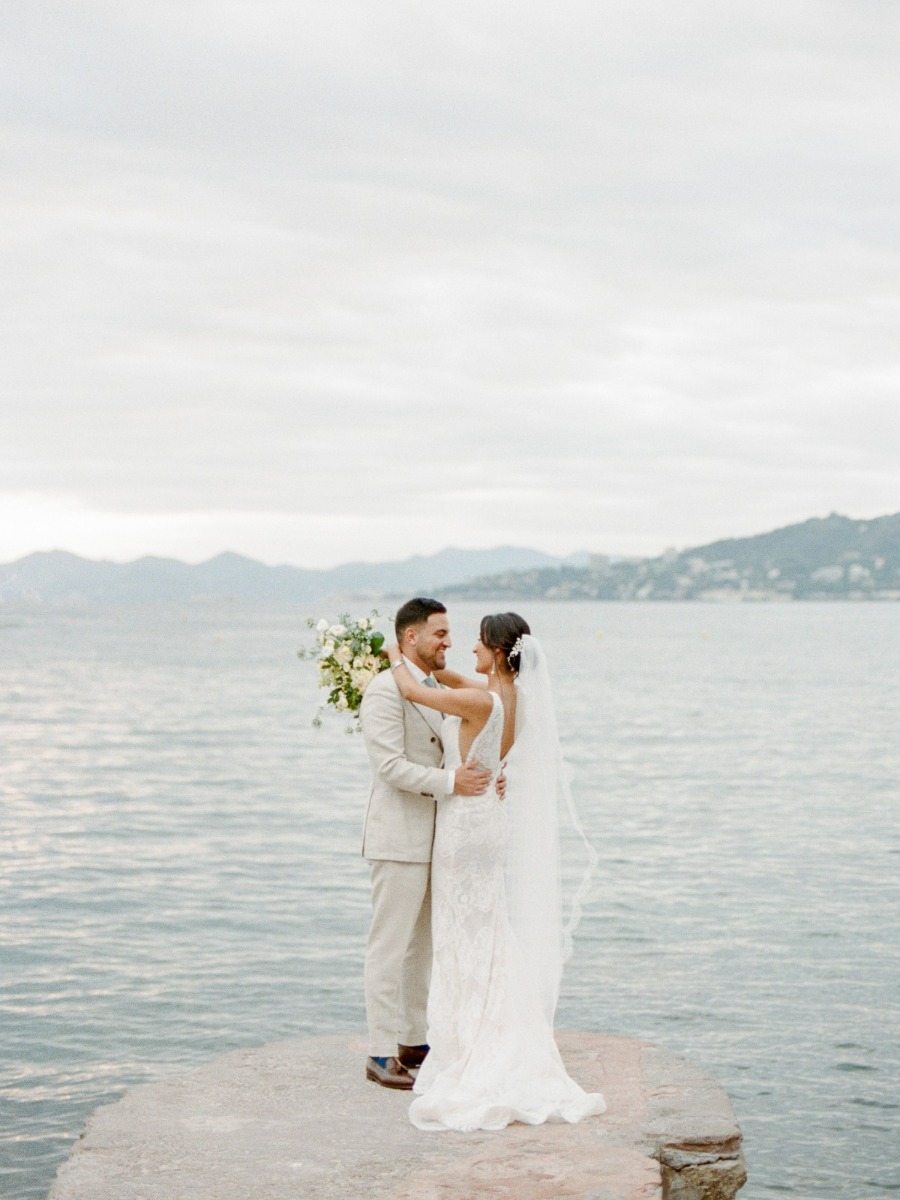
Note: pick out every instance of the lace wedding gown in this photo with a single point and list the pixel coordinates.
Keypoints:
(493, 1058)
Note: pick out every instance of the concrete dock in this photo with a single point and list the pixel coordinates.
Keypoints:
(298, 1121)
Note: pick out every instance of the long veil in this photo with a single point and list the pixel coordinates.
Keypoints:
(538, 797)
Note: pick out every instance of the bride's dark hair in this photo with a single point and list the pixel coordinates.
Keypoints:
(501, 631)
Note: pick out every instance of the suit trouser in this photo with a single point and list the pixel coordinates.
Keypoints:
(398, 956)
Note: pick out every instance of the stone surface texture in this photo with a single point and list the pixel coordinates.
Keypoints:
(298, 1121)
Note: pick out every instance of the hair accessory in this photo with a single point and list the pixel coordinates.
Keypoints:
(516, 650)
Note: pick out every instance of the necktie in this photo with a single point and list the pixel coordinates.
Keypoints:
(430, 681)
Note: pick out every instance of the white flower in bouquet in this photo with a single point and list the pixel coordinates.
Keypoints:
(347, 660)
(361, 678)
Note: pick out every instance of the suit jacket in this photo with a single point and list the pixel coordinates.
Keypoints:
(406, 752)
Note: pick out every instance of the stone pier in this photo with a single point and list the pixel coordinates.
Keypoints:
(298, 1121)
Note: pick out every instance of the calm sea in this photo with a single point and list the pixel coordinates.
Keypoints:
(179, 869)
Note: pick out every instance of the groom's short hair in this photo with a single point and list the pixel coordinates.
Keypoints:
(415, 612)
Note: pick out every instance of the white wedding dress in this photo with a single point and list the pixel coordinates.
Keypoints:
(493, 1057)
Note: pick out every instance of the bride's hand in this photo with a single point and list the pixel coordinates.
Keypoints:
(392, 652)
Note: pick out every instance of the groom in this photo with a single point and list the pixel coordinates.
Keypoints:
(408, 780)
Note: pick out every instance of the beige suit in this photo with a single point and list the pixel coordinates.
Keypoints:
(406, 752)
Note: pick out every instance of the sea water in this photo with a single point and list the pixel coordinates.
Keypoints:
(180, 870)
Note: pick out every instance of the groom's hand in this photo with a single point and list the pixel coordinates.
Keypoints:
(471, 780)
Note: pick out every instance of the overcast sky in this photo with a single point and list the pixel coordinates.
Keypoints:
(328, 281)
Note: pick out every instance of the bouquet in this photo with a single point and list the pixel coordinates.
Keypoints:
(347, 653)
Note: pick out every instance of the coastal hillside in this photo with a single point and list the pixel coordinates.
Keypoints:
(833, 558)
(57, 577)
(820, 559)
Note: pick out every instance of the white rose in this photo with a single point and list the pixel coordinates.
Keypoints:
(358, 661)
(365, 623)
(328, 647)
(338, 630)
(361, 679)
(343, 654)
(371, 661)
(322, 625)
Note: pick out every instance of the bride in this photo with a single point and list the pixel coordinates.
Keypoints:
(497, 927)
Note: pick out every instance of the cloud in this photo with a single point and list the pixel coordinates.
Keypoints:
(285, 279)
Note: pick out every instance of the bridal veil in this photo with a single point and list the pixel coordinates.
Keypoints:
(538, 799)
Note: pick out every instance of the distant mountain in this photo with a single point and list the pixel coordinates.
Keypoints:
(831, 558)
(61, 578)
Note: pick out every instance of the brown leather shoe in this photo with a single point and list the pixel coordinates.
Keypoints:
(412, 1057)
(391, 1075)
